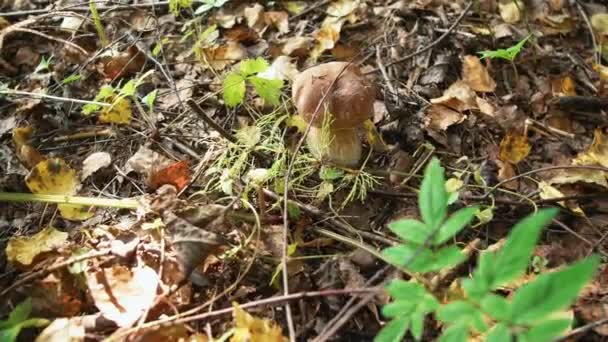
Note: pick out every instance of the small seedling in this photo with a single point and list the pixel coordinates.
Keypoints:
(44, 65)
(534, 312)
(17, 320)
(234, 85)
(509, 54)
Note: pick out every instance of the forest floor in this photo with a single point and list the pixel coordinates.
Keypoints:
(175, 184)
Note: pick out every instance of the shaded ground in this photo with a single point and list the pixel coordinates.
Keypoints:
(513, 137)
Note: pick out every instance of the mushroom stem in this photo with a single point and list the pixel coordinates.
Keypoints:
(341, 146)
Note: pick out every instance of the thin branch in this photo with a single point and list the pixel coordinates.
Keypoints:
(51, 97)
(84, 9)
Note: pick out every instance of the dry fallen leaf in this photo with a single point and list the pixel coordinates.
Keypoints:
(507, 171)
(440, 117)
(459, 96)
(252, 329)
(63, 330)
(177, 174)
(255, 17)
(281, 69)
(22, 250)
(27, 154)
(123, 64)
(55, 177)
(219, 57)
(278, 19)
(510, 11)
(145, 160)
(514, 147)
(547, 191)
(121, 294)
(563, 86)
(338, 12)
(94, 162)
(476, 75)
(597, 151)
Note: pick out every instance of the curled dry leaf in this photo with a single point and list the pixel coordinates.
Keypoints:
(123, 64)
(278, 19)
(338, 12)
(23, 250)
(563, 86)
(510, 11)
(439, 117)
(144, 160)
(26, 153)
(219, 57)
(281, 69)
(297, 46)
(55, 177)
(94, 162)
(596, 154)
(547, 191)
(255, 17)
(476, 75)
(459, 96)
(597, 151)
(507, 171)
(121, 294)
(190, 243)
(514, 147)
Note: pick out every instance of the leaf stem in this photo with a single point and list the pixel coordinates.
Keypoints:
(124, 203)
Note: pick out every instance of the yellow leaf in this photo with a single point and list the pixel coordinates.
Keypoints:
(602, 71)
(252, 329)
(294, 7)
(55, 177)
(453, 184)
(547, 191)
(563, 86)
(24, 249)
(598, 150)
(297, 122)
(374, 138)
(599, 22)
(514, 147)
(119, 113)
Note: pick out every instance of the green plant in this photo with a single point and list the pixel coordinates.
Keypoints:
(509, 53)
(113, 95)
(17, 320)
(208, 5)
(234, 85)
(175, 6)
(44, 65)
(535, 311)
(98, 25)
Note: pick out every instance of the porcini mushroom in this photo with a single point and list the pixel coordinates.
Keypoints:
(348, 103)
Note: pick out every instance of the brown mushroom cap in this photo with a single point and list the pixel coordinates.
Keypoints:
(351, 100)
